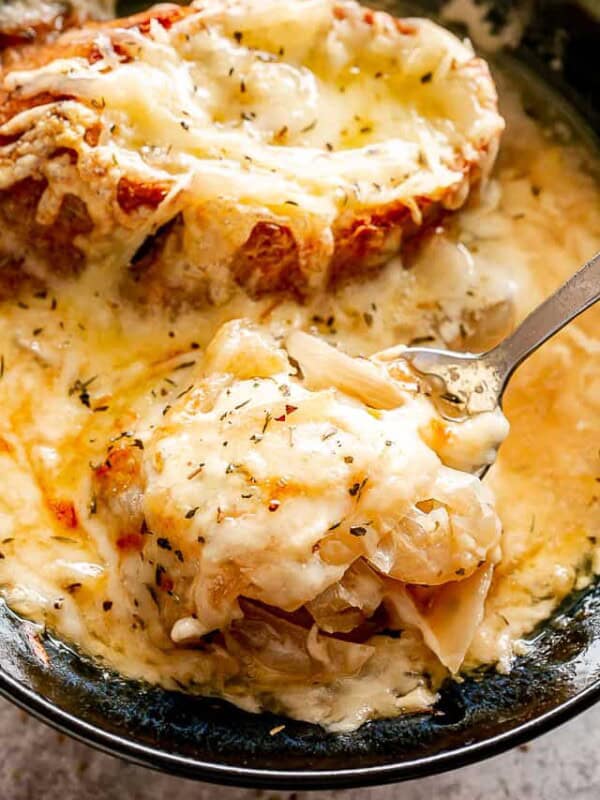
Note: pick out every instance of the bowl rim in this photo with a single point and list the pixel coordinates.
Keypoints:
(250, 777)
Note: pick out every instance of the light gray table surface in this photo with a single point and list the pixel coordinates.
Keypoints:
(38, 763)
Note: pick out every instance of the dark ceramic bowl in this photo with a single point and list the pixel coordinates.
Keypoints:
(211, 740)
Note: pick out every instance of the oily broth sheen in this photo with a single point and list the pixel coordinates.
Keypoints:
(80, 366)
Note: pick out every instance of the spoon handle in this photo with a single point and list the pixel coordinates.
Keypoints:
(578, 293)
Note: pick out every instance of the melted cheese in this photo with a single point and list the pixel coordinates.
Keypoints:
(101, 367)
(284, 478)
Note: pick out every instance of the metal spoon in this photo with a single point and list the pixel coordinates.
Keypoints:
(463, 384)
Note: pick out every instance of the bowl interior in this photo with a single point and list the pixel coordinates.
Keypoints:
(212, 740)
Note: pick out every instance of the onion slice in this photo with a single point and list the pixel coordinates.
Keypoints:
(323, 366)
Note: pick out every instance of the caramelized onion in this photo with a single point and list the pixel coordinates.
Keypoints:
(275, 649)
(348, 603)
(323, 366)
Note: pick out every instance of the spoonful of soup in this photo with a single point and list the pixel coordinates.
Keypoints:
(465, 384)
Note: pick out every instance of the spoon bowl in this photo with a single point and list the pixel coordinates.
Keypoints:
(464, 384)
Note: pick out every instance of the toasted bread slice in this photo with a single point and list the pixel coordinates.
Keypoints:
(277, 145)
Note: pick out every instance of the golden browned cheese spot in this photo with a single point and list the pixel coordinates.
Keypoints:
(133, 194)
(64, 511)
(117, 485)
(165, 13)
(268, 262)
(92, 135)
(401, 25)
(120, 471)
(436, 434)
(404, 27)
(130, 541)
